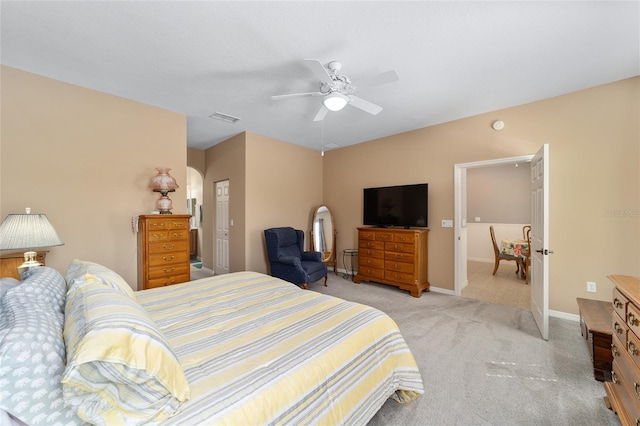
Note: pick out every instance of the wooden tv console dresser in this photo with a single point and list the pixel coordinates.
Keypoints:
(623, 392)
(394, 256)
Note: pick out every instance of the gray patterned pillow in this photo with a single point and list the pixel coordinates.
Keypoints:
(33, 359)
(7, 283)
(45, 284)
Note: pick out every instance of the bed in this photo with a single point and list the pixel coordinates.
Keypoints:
(238, 349)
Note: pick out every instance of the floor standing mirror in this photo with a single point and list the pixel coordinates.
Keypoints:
(323, 236)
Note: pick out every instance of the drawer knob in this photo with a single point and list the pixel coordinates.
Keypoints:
(166, 271)
(614, 378)
(617, 303)
(170, 258)
(632, 349)
(171, 247)
(617, 328)
(632, 319)
(614, 350)
(636, 390)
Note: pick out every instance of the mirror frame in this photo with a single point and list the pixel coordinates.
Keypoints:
(329, 260)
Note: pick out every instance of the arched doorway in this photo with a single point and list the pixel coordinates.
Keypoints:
(194, 208)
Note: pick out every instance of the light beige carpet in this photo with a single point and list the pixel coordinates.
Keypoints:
(483, 363)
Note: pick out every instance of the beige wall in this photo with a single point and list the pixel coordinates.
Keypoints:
(225, 161)
(594, 138)
(85, 159)
(284, 187)
(196, 159)
(271, 183)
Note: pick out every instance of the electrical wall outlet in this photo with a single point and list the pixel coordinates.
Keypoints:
(447, 223)
(591, 286)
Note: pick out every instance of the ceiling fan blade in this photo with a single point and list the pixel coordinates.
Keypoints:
(321, 113)
(319, 70)
(296, 95)
(380, 79)
(365, 105)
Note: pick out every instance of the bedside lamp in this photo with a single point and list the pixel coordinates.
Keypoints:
(163, 183)
(27, 231)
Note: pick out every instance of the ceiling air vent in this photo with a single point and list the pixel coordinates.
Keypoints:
(224, 117)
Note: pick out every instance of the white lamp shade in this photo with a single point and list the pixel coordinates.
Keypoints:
(335, 101)
(27, 231)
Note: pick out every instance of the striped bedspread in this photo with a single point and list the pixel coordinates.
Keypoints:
(258, 350)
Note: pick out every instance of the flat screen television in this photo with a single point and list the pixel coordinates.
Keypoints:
(403, 205)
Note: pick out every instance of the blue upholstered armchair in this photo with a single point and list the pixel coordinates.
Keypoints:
(289, 261)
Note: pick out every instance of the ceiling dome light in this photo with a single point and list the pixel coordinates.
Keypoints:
(335, 101)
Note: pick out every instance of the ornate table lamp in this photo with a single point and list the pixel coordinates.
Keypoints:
(163, 183)
(21, 231)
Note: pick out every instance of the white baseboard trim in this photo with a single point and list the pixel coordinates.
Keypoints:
(442, 290)
(481, 259)
(564, 315)
(552, 313)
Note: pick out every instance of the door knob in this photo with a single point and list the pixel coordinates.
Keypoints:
(544, 251)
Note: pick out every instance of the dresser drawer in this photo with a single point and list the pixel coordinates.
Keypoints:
(168, 258)
(403, 238)
(174, 279)
(619, 328)
(370, 272)
(178, 235)
(633, 347)
(399, 247)
(167, 246)
(633, 318)
(400, 277)
(400, 257)
(167, 223)
(367, 252)
(396, 266)
(371, 262)
(159, 235)
(366, 244)
(167, 271)
(626, 375)
(620, 303)
(384, 236)
(367, 235)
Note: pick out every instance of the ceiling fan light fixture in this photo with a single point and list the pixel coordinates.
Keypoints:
(335, 101)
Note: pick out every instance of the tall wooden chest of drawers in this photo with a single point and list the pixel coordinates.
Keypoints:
(163, 250)
(397, 257)
(623, 392)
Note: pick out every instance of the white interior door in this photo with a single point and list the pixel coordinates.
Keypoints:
(222, 227)
(540, 240)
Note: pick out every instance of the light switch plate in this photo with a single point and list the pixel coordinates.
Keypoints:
(447, 223)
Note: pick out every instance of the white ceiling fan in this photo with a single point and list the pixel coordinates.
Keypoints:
(337, 90)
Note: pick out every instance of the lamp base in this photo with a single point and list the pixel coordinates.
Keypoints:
(164, 205)
(30, 260)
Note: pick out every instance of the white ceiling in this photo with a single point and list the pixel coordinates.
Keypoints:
(454, 59)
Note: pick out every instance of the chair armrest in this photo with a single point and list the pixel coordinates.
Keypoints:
(290, 260)
(314, 256)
